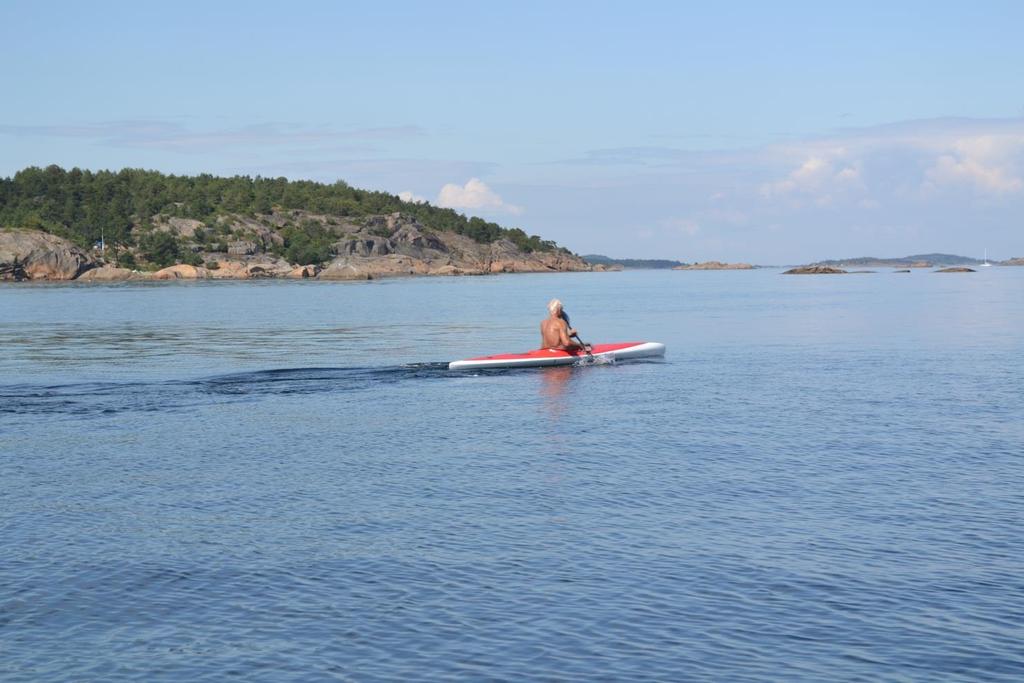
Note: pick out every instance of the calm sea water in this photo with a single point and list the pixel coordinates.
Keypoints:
(823, 480)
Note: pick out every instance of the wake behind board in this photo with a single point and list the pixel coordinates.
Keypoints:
(543, 357)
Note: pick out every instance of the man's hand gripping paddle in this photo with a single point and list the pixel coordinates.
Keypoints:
(586, 347)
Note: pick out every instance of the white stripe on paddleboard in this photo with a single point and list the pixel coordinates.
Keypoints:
(645, 350)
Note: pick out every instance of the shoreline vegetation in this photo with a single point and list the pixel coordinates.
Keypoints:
(144, 225)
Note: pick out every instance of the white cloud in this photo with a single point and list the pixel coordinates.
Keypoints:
(917, 161)
(475, 194)
(820, 174)
(951, 170)
(985, 156)
(408, 196)
(983, 162)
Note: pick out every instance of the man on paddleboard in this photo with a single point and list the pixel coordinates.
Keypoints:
(555, 332)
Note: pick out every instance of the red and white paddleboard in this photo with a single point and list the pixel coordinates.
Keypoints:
(542, 357)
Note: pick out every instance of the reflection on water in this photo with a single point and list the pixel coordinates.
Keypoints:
(554, 382)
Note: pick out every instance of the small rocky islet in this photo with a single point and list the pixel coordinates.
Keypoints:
(818, 269)
(815, 270)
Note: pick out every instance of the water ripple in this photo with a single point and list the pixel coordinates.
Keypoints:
(822, 481)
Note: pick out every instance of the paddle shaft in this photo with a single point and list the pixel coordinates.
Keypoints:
(585, 345)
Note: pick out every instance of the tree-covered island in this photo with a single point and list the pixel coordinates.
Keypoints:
(243, 226)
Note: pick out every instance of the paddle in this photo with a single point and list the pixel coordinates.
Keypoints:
(586, 347)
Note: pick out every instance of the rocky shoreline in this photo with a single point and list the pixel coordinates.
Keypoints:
(242, 247)
(393, 245)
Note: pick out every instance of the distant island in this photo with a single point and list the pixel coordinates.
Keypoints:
(715, 265)
(662, 264)
(915, 261)
(137, 224)
(943, 263)
(631, 263)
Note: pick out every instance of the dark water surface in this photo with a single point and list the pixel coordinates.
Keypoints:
(823, 480)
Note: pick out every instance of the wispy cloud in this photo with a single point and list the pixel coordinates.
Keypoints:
(658, 159)
(925, 129)
(982, 155)
(175, 136)
(638, 156)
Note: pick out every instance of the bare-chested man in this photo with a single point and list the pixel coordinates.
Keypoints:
(555, 333)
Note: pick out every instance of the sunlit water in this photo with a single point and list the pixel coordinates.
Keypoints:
(282, 481)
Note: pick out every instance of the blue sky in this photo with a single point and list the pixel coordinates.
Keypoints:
(767, 132)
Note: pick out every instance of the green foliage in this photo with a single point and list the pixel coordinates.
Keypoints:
(160, 248)
(529, 243)
(80, 205)
(309, 242)
(126, 259)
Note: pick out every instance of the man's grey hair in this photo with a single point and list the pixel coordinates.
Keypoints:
(554, 306)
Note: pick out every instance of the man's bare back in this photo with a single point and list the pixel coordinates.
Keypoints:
(554, 332)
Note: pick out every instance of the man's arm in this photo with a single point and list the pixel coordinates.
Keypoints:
(563, 336)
